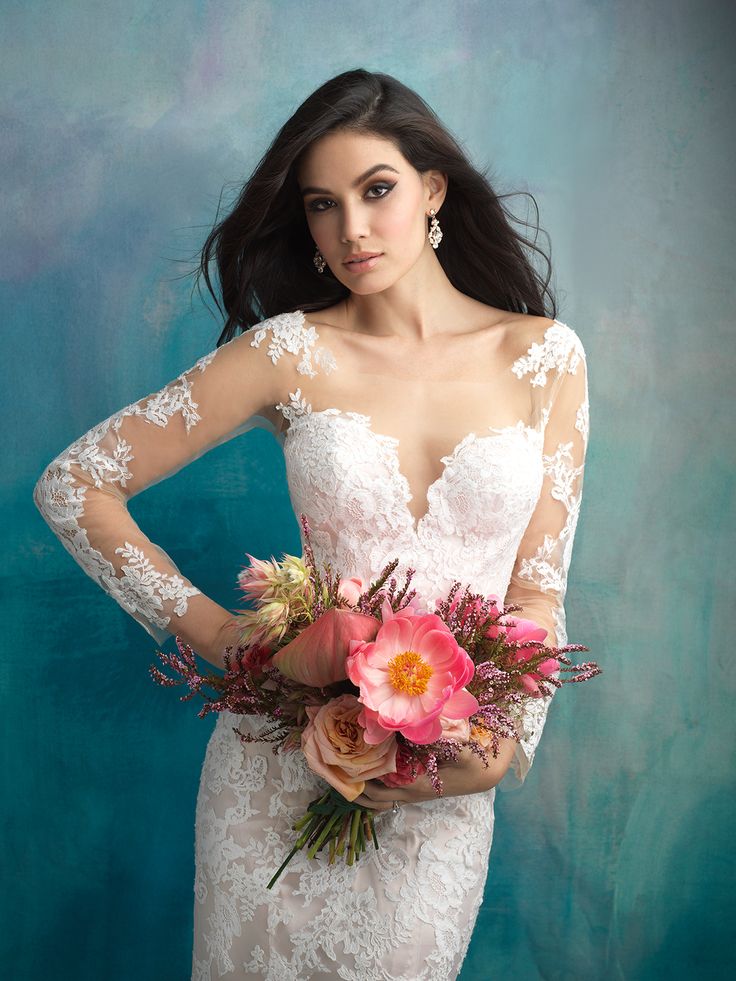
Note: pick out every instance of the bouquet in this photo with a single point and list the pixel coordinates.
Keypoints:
(370, 686)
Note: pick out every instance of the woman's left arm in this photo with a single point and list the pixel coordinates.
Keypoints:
(468, 775)
(539, 578)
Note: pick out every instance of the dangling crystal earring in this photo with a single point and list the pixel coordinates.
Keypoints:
(435, 232)
(319, 261)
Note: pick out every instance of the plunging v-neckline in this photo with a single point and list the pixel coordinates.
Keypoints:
(393, 442)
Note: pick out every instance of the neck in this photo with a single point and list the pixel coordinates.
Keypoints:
(416, 308)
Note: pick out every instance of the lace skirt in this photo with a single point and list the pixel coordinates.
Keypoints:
(402, 912)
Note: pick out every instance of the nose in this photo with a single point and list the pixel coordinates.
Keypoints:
(354, 222)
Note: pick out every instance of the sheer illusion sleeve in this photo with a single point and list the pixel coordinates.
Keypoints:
(83, 493)
(539, 578)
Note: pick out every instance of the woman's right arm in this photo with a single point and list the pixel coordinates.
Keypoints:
(83, 493)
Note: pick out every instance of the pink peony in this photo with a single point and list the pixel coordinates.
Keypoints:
(410, 675)
(334, 747)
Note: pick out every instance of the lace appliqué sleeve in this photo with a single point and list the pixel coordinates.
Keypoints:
(83, 493)
(539, 579)
(97, 466)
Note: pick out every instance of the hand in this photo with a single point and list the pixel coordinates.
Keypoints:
(468, 775)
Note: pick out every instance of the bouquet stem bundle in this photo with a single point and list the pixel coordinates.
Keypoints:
(333, 821)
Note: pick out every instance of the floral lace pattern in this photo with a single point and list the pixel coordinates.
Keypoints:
(346, 478)
(553, 354)
(404, 911)
(289, 332)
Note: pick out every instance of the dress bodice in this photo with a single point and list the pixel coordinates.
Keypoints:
(346, 479)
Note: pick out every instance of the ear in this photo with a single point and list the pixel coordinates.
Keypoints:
(435, 187)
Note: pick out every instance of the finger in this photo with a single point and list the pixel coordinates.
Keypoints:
(379, 791)
(374, 805)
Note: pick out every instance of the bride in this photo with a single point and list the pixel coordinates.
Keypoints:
(385, 323)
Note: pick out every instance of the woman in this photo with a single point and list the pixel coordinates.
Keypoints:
(384, 322)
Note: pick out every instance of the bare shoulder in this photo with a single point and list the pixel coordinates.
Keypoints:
(543, 333)
(528, 329)
(326, 317)
(515, 332)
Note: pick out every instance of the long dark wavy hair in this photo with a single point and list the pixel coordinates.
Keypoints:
(263, 249)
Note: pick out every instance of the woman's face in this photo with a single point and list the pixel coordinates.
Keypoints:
(351, 210)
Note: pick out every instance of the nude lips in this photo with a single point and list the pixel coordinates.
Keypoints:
(363, 265)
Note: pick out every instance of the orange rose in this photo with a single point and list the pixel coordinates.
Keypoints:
(334, 747)
(482, 736)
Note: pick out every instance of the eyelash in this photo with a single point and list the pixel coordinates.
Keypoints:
(313, 204)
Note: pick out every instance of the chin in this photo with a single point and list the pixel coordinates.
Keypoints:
(365, 288)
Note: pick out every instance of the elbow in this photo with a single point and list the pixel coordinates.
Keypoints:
(55, 494)
(498, 766)
(42, 490)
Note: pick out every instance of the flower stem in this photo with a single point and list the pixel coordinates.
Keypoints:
(283, 865)
(353, 835)
(327, 828)
(343, 835)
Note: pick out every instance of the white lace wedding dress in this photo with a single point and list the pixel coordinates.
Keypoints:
(510, 412)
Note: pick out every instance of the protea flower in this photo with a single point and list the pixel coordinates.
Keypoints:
(281, 590)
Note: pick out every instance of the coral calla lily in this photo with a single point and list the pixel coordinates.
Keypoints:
(316, 657)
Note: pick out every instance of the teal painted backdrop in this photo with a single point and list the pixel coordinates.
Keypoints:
(122, 123)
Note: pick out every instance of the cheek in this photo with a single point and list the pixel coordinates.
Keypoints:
(400, 222)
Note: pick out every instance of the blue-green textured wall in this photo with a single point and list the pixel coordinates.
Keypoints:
(120, 126)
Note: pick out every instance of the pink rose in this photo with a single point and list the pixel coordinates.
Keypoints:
(334, 747)
(407, 769)
(350, 589)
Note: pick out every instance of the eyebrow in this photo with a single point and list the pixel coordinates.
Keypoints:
(356, 182)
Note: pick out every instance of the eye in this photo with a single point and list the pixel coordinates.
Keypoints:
(382, 187)
(387, 188)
